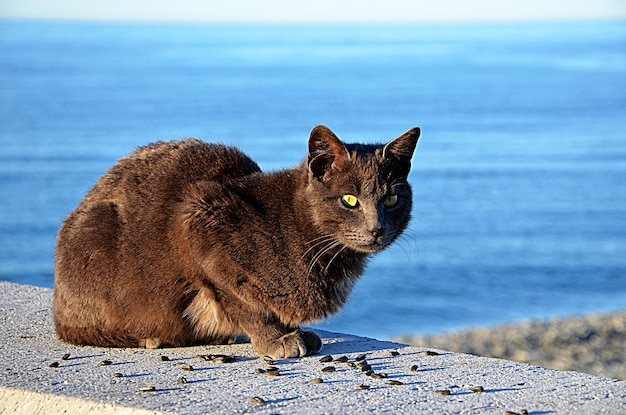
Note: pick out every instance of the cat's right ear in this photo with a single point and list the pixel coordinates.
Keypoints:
(326, 153)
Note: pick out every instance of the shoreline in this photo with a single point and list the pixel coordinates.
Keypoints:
(591, 343)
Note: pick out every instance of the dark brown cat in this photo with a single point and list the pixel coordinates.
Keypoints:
(187, 242)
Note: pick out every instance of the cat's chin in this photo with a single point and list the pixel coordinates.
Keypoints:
(368, 249)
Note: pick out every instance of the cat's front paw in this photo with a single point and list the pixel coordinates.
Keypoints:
(295, 344)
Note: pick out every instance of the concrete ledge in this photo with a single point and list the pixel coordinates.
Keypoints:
(81, 384)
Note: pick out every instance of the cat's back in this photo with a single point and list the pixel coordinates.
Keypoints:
(164, 169)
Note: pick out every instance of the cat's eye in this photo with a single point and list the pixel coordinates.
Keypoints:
(391, 200)
(349, 201)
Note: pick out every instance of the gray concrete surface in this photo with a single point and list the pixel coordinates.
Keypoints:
(81, 384)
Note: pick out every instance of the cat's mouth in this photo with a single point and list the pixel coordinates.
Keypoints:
(372, 246)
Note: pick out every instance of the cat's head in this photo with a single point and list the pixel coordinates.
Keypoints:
(359, 193)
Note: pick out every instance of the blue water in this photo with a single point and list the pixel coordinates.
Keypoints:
(519, 178)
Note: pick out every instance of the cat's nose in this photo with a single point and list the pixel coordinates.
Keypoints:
(377, 231)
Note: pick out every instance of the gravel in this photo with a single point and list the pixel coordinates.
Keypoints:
(594, 344)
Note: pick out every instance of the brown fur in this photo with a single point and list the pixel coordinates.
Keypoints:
(187, 242)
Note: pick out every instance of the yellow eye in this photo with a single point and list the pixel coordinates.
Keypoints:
(391, 201)
(349, 201)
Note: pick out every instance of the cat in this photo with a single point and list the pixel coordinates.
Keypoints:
(186, 242)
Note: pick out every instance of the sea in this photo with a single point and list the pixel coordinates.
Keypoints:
(519, 178)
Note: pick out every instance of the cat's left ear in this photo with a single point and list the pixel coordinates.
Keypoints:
(400, 149)
(326, 153)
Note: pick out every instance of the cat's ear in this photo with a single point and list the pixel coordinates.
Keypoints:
(326, 153)
(400, 150)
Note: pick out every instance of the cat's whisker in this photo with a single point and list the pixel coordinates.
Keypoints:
(333, 258)
(324, 239)
(321, 253)
(410, 246)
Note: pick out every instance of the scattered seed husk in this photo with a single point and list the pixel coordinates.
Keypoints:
(259, 371)
(510, 413)
(186, 367)
(181, 380)
(361, 357)
(394, 382)
(383, 375)
(351, 364)
(524, 412)
(369, 373)
(217, 358)
(164, 358)
(272, 372)
(363, 387)
(443, 392)
(257, 401)
(66, 356)
(223, 359)
(268, 360)
(366, 368)
(376, 375)
(316, 381)
(147, 389)
(342, 359)
(394, 353)
(106, 363)
(431, 353)
(477, 389)
(54, 364)
(414, 368)
(329, 369)
(118, 375)
(326, 359)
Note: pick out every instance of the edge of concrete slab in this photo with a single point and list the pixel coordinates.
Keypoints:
(82, 384)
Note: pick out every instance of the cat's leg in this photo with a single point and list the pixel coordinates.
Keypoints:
(279, 342)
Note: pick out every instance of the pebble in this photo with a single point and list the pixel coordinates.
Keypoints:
(361, 357)
(66, 356)
(316, 381)
(186, 367)
(363, 387)
(118, 375)
(329, 369)
(414, 368)
(443, 392)
(395, 382)
(164, 359)
(106, 363)
(394, 353)
(477, 389)
(54, 364)
(326, 359)
(342, 359)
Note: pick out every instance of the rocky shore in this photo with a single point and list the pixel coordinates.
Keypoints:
(594, 344)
